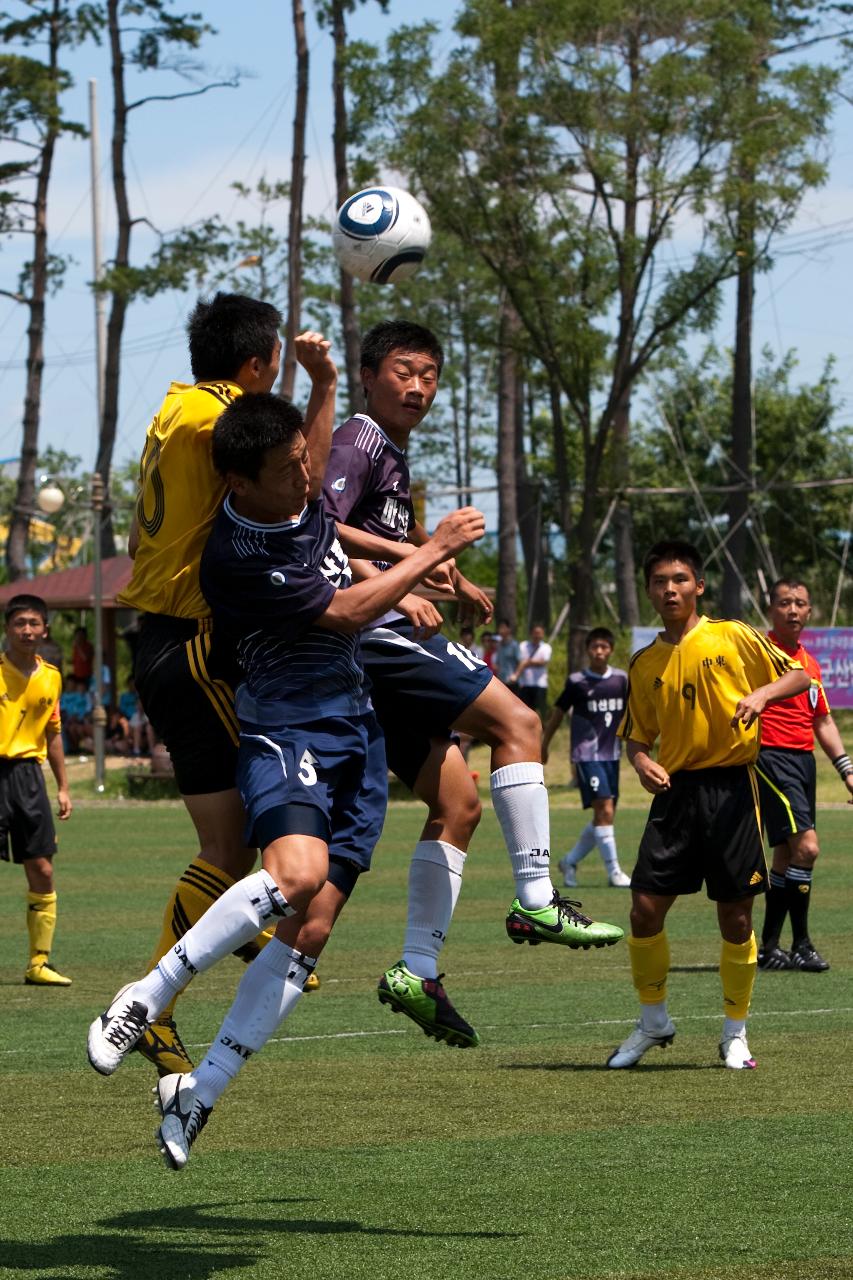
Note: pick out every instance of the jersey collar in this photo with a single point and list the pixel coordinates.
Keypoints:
(365, 417)
(266, 528)
(598, 675)
(780, 644)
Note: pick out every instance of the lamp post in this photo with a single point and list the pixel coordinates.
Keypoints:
(99, 715)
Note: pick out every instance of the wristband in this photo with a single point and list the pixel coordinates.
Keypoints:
(844, 765)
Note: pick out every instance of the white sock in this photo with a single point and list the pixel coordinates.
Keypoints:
(606, 841)
(269, 990)
(521, 807)
(435, 878)
(234, 919)
(585, 842)
(733, 1027)
(653, 1017)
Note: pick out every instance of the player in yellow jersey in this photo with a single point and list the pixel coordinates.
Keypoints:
(700, 688)
(30, 732)
(184, 679)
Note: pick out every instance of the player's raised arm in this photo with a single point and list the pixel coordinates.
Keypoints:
(789, 685)
(313, 353)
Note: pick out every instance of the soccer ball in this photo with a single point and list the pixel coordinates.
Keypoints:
(381, 234)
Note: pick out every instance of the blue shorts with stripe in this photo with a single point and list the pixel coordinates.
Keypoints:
(327, 778)
(186, 681)
(787, 784)
(419, 688)
(597, 780)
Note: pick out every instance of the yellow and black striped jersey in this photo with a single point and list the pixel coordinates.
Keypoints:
(686, 693)
(29, 709)
(179, 495)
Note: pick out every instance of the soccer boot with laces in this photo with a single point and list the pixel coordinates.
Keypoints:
(734, 1053)
(425, 1001)
(639, 1042)
(805, 957)
(161, 1045)
(562, 922)
(773, 958)
(43, 975)
(116, 1031)
(183, 1116)
(569, 872)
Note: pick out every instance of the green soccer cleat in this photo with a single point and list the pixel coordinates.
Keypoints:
(161, 1045)
(559, 922)
(425, 1001)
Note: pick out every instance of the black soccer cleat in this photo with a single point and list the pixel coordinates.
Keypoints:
(774, 958)
(804, 956)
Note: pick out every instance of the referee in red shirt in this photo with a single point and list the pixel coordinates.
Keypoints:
(787, 783)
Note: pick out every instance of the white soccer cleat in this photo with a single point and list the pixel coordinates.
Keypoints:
(116, 1031)
(569, 872)
(639, 1042)
(184, 1117)
(734, 1052)
(619, 880)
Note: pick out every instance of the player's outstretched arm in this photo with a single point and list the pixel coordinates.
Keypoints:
(358, 542)
(789, 685)
(652, 775)
(313, 353)
(552, 724)
(826, 732)
(364, 602)
(422, 614)
(56, 760)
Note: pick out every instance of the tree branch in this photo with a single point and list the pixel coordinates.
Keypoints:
(233, 83)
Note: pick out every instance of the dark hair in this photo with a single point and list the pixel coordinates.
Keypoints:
(26, 604)
(601, 633)
(248, 428)
(790, 581)
(398, 335)
(225, 333)
(672, 549)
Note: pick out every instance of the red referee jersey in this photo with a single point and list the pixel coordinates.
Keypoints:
(791, 723)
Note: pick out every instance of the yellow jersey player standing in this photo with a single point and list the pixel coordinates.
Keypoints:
(30, 732)
(700, 688)
(185, 680)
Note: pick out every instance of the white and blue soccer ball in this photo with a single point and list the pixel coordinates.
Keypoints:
(381, 234)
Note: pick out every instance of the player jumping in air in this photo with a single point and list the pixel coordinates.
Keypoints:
(426, 688)
(700, 688)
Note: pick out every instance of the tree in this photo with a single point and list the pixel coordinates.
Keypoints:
(297, 185)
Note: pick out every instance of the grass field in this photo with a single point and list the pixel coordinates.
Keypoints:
(353, 1146)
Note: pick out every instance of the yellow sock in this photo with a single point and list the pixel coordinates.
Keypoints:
(738, 963)
(41, 925)
(649, 966)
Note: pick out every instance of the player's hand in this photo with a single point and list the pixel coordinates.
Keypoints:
(458, 530)
(442, 576)
(63, 804)
(475, 596)
(750, 708)
(653, 776)
(423, 616)
(313, 352)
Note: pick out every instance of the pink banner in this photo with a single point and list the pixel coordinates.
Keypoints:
(833, 648)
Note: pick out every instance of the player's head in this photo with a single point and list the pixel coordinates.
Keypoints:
(671, 549)
(674, 578)
(235, 338)
(401, 364)
(790, 608)
(600, 643)
(259, 450)
(26, 622)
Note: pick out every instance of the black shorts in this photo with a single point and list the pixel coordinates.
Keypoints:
(186, 686)
(787, 785)
(419, 688)
(26, 820)
(706, 827)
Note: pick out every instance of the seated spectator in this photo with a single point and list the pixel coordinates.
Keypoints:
(142, 735)
(117, 736)
(75, 706)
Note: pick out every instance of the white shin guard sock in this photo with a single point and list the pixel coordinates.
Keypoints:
(583, 845)
(435, 878)
(606, 841)
(521, 807)
(233, 920)
(270, 990)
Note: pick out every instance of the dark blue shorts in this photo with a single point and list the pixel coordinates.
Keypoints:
(327, 779)
(598, 780)
(419, 689)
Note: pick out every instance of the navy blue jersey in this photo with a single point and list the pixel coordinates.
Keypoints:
(596, 703)
(367, 481)
(266, 584)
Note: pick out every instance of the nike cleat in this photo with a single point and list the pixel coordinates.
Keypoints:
(569, 872)
(161, 1045)
(734, 1053)
(116, 1031)
(773, 958)
(619, 880)
(804, 956)
(42, 975)
(425, 1001)
(559, 922)
(183, 1118)
(639, 1042)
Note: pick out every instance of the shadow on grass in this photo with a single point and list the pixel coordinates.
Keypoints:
(133, 1244)
(603, 1067)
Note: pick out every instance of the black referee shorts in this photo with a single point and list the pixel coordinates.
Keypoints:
(706, 827)
(186, 686)
(26, 820)
(787, 785)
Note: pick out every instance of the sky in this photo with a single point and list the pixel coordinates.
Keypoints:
(183, 156)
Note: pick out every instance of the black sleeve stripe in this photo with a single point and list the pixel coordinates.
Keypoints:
(216, 395)
(635, 656)
(780, 667)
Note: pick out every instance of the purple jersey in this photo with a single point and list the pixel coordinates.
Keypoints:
(367, 481)
(596, 703)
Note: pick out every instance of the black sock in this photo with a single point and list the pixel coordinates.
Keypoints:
(775, 910)
(798, 886)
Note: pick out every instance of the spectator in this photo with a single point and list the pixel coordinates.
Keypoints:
(531, 674)
(489, 647)
(466, 638)
(82, 656)
(507, 653)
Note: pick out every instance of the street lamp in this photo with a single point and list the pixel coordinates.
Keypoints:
(50, 497)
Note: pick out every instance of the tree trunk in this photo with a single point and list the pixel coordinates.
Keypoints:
(19, 525)
(623, 524)
(534, 542)
(507, 604)
(297, 187)
(349, 321)
(741, 442)
(581, 576)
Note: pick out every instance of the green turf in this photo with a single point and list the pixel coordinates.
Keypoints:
(353, 1146)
